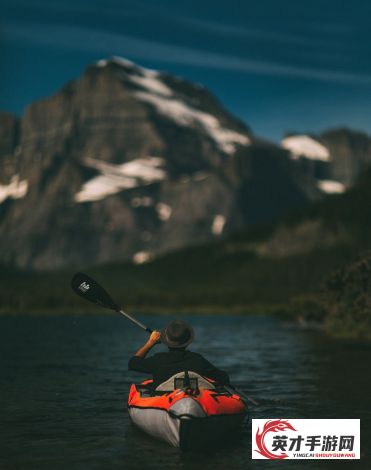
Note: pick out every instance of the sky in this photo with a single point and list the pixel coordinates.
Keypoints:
(280, 65)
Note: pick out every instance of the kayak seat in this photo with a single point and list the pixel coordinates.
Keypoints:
(178, 380)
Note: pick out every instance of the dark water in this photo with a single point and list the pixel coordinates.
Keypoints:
(64, 382)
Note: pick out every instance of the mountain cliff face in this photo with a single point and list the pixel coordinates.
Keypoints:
(8, 133)
(335, 158)
(125, 163)
(351, 154)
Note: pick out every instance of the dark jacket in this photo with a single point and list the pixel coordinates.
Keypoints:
(165, 364)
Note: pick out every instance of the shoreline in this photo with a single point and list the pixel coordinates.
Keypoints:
(259, 309)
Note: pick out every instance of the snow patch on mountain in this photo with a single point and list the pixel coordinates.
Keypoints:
(150, 80)
(16, 189)
(218, 224)
(164, 211)
(163, 98)
(185, 115)
(305, 146)
(117, 60)
(145, 78)
(331, 186)
(115, 178)
(142, 257)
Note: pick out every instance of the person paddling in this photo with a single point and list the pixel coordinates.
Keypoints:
(177, 335)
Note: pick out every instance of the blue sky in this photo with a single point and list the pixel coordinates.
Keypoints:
(280, 65)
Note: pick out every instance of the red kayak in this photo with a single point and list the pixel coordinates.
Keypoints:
(189, 412)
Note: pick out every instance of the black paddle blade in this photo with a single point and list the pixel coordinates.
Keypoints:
(88, 289)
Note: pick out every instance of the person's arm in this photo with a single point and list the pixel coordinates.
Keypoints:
(148, 345)
(212, 372)
(138, 361)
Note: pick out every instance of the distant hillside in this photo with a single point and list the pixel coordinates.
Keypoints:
(348, 299)
(261, 269)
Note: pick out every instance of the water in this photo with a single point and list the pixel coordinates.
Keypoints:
(64, 383)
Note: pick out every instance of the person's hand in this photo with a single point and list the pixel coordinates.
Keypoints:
(154, 338)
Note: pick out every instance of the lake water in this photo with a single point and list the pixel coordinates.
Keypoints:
(64, 383)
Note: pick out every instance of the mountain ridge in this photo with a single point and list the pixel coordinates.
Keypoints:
(119, 164)
(128, 163)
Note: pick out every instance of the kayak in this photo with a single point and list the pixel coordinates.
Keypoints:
(191, 415)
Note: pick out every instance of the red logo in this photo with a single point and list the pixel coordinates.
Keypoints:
(277, 425)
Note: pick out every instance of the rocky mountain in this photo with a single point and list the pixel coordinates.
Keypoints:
(126, 163)
(282, 267)
(335, 158)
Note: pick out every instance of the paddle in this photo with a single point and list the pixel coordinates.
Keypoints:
(233, 390)
(90, 290)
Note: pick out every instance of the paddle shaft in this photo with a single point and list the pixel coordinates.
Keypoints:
(134, 320)
(232, 390)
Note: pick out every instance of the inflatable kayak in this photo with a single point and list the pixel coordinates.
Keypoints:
(187, 411)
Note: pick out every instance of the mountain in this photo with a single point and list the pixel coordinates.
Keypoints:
(335, 158)
(126, 163)
(281, 267)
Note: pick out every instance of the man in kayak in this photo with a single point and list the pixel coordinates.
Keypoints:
(176, 336)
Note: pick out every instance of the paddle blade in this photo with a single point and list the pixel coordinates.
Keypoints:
(88, 289)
